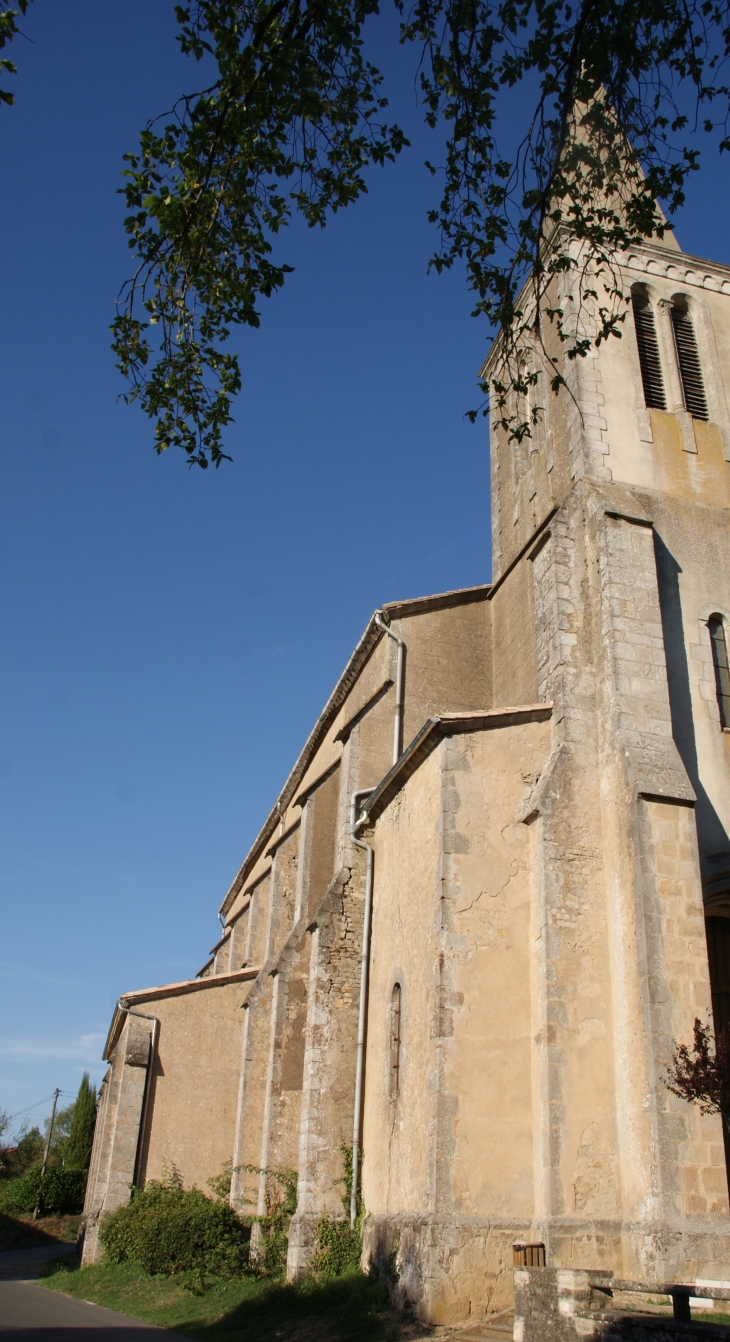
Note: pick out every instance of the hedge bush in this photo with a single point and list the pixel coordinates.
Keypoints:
(173, 1232)
(339, 1244)
(280, 1193)
(62, 1191)
(19, 1195)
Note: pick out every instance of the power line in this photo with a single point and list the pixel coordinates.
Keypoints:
(30, 1106)
(37, 1105)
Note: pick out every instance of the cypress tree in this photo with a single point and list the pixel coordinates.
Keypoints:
(77, 1154)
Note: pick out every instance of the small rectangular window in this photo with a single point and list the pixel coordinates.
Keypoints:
(722, 671)
(688, 359)
(651, 367)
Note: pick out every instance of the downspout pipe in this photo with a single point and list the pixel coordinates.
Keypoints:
(399, 685)
(362, 1010)
(147, 1085)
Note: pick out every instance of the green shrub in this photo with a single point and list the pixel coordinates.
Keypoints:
(269, 1247)
(339, 1244)
(15, 1161)
(19, 1195)
(173, 1232)
(117, 1232)
(220, 1184)
(62, 1191)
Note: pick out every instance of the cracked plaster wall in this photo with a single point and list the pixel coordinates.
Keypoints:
(449, 1164)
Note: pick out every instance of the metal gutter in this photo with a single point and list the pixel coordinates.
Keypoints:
(154, 1039)
(362, 1013)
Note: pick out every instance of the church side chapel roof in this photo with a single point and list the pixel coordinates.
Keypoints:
(433, 731)
(372, 634)
(138, 996)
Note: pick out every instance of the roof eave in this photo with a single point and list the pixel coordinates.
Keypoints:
(433, 731)
(362, 652)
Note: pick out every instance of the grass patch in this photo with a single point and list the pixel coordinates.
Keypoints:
(351, 1307)
(21, 1232)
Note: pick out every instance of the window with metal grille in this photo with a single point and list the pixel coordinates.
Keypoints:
(651, 367)
(395, 1015)
(688, 359)
(716, 627)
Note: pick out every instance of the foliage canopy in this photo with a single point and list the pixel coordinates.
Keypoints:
(701, 1074)
(59, 1191)
(610, 92)
(18, 1153)
(9, 30)
(77, 1150)
(62, 1123)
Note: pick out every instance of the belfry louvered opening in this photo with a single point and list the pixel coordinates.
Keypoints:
(651, 367)
(688, 359)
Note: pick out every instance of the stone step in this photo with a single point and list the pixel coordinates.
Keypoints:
(481, 1335)
(499, 1331)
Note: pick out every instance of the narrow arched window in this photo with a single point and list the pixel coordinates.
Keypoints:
(722, 671)
(688, 359)
(395, 1018)
(651, 367)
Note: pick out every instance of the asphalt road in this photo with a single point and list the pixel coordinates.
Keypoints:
(29, 1313)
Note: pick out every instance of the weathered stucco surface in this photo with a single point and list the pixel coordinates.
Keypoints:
(450, 1157)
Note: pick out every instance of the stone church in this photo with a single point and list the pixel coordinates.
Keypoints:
(494, 891)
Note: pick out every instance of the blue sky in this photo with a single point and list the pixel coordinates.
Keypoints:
(167, 636)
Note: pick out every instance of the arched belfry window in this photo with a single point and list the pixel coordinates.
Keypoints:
(688, 359)
(716, 626)
(395, 1023)
(646, 339)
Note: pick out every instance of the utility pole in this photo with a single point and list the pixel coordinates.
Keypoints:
(56, 1094)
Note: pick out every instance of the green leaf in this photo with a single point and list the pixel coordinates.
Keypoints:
(292, 124)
